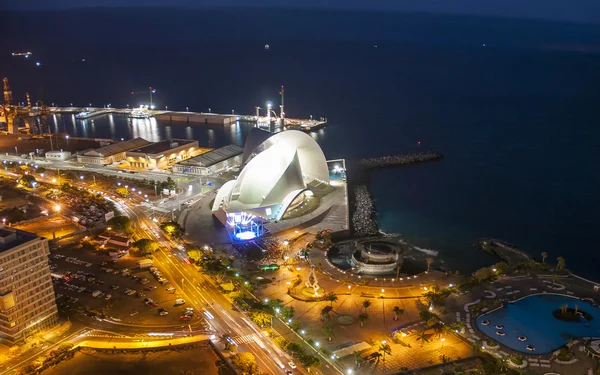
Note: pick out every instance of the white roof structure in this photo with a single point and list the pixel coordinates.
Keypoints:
(277, 170)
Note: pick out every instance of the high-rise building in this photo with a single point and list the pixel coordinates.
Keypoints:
(27, 302)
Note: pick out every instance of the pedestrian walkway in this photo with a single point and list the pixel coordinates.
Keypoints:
(244, 339)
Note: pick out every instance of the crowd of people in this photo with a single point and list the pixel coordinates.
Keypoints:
(400, 159)
(273, 247)
(363, 218)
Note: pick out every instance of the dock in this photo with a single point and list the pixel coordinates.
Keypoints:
(199, 118)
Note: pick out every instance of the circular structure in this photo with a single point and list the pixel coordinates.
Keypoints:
(345, 319)
(310, 292)
(530, 348)
(499, 326)
(485, 323)
(500, 333)
(522, 338)
(376, 257)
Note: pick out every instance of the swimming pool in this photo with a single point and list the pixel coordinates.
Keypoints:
(532, 317)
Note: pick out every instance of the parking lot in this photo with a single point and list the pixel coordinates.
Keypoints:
(87, 281)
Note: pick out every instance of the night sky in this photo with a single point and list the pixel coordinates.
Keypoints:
(579, 11)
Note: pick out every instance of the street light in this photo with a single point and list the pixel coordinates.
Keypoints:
(317, 344)
(57, 208)
(266, 300)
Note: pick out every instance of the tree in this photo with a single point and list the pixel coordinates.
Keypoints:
(501, 268)
(261, 318)
(325, 312)
(331, 297)
(560, 263)
(484, 274)
(328, 332)
(28, 181)
(310, 361)
(429, 263)
(385, 349)
(123, 191)
(194, 255)
(554, 277)
(544, 256)
(172, 229)
(146, 246)
(362, 318)
(169, 184)
(397, 312)
(287, 312)
(356, 358)
(423, 336)
(121, 223)
(246, 363)
(366, 304)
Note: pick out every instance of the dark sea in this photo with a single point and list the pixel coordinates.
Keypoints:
(514, 106)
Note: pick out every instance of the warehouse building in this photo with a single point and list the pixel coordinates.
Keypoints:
(112, 153)
(212, 162)
(161, 155)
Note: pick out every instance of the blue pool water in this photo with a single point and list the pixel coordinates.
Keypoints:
(532, 317)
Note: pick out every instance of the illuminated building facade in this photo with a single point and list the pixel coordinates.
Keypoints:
(27, 301)
(278, 170)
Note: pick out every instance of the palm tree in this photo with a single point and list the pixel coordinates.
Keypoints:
(377, 355)
(366, 304)
(397, 272)
(423, 336)
(362, 318)
(385, 349)
(553, 278)
(331, 297)
(429, 263)
(328, 331)
(356, 358)
(544, 256)
(561, 263)
(397, 312)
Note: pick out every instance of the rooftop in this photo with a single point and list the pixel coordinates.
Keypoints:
(213, 157)
(162, 146)
(118, 147)
(11, 238)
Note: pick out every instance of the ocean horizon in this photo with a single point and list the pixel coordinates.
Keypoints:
(511, 105)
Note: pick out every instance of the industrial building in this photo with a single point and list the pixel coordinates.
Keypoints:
(27, 301)
(212, 162)
(58, 155)
(197, 118)
(112, 153)
(161, 155)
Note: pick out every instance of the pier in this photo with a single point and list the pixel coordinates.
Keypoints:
(271, 123)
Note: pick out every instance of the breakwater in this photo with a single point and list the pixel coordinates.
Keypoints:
(399, 159)
(362, 207)
(505, 251)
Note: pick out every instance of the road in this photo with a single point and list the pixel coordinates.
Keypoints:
(203, 295)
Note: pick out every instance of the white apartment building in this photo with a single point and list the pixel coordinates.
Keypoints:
(27, 301)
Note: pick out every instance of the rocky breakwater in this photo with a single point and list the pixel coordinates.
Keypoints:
(505, 251)
(362, 207)
(399, 159)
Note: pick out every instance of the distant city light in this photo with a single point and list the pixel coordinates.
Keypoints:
(38, 63)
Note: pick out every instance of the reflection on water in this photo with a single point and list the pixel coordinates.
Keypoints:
(117, 126)
(146, 128)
